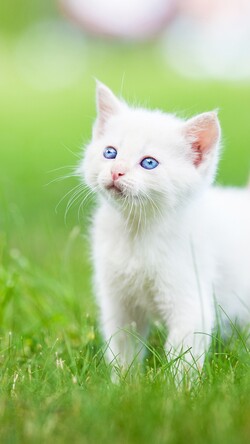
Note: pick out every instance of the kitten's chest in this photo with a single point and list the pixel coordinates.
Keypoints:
(137, 270)
(136, 280)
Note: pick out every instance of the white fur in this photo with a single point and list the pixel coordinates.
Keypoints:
(170, 244)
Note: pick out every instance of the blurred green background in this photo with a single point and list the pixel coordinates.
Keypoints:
(47, 97)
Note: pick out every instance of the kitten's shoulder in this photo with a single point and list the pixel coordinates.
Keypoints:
(229, 202)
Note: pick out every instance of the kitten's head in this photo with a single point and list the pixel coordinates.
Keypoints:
(147, 156)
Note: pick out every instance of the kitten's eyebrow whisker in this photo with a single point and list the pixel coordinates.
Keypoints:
(77, 155)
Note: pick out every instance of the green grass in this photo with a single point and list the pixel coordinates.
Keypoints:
(54, 383)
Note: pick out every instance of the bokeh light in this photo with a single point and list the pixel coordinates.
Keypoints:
(50, 55)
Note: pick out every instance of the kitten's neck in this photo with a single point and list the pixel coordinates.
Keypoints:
(137, 220)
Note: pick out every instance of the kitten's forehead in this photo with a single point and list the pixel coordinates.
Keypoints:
(139, 126)
(143, 120)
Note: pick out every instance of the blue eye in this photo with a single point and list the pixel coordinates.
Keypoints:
(149, 163)
(110, 152)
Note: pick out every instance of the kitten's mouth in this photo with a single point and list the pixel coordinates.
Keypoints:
(115, 188)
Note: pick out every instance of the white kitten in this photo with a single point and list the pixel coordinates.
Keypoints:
(165, 243)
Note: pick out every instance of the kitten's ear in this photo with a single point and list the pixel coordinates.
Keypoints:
(107, 105)
(203, 134)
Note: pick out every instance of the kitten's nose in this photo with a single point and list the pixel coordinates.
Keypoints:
(118, 171)
(116, 175)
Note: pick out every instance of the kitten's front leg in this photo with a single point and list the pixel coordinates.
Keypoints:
(125, 329)
(189, 337)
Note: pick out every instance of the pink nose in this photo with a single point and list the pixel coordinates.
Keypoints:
(115, 175)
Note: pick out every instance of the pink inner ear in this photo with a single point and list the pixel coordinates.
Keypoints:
(203, 143)
(203, 131)
(196, 147)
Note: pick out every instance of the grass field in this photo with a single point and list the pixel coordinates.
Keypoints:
(55, 386)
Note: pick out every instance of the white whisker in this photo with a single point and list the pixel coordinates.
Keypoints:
(77, 155)
(86, 199)
(60, 178)
(73, 167)
(72, 201)
(66, 195)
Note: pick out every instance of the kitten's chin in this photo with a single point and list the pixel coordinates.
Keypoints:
(114, 189)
